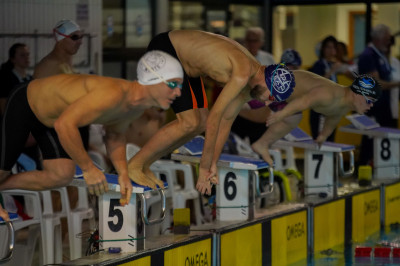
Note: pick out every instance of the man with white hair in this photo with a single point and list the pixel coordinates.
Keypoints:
(253, 41)
(374, 61)
(55, 108)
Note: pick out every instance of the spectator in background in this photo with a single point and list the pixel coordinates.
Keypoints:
(14, 71)
(348, 67)
(342, 54)
(291, 58)
(326, 66)
(254, 41)
(375, 62)
(68, 36)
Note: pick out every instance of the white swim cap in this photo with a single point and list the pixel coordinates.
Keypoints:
(64, 28)
(163, 67)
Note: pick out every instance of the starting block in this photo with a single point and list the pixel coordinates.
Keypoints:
(386, 145)
(322, 165)
(11, 237)
(122, 227)
(238, 181)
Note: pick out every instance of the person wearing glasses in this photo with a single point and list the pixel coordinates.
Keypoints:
(68, 37)
(323, 96)
(56, 107)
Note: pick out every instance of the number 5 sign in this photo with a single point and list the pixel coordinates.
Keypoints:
(119, 223)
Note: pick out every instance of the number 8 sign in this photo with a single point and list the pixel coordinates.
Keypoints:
(386, 158)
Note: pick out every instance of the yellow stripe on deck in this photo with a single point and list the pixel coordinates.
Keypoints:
(392, 204)
(197, 253)
(242, 247)
(289, 238)
(328, 225)
(366, 215)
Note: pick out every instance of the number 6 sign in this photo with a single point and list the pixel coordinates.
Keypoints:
(232, 194)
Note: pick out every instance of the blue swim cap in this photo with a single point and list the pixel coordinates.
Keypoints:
(367, 85)
(282, 80)
(291, 57)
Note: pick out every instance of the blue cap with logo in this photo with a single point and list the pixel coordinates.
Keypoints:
(280, 81)
(367, 85)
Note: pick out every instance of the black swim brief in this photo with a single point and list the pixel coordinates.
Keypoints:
(18, 122)
(193, 93)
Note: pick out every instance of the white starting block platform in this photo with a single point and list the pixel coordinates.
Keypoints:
(386, 145)
(323, 165)
(123, 227)
(238, 181)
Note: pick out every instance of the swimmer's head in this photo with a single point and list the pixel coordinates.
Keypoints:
(156, 66)
(291, 57)
(367, 86)
(280, 81)
(64, 28)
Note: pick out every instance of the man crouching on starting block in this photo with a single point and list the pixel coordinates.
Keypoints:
(226, 62)
(55, 108)
(322, 95)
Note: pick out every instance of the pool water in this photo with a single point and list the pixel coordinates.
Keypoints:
(345, 254)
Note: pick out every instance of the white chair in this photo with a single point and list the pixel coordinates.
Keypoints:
(75, 218)
(23, 254)
(181, 195)
(175, 192)
(52, 234)
(50, 226)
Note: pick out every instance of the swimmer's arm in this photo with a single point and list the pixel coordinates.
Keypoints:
(329, 126)
(231, 90)
(115, 141)
(83, 112)
(293, 107)
(225, 126)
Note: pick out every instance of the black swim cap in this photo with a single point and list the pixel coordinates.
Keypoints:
(367, 85)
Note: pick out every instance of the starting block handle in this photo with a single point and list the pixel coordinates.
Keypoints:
(11, 242)
(350, 171)
(144, 207)
(270, 189)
